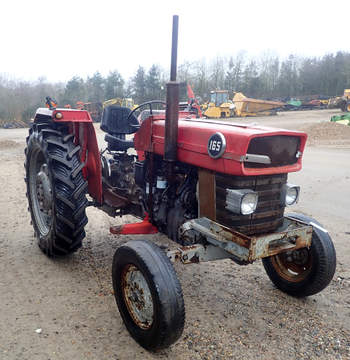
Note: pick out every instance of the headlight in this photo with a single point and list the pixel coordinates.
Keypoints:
(292, 194)
(243, 201)
(58, 115)
(249, 202)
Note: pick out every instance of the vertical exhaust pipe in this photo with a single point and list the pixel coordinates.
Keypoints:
(175, 34)
(172, 107)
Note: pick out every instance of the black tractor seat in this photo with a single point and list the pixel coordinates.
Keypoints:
(118, 144)
(117, 123)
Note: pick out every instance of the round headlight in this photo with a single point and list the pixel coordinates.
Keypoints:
(292, 194)
(249, 203)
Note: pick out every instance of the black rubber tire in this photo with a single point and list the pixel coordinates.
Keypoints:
(343, 105)
(175, 219)
(165, 288)
(323, 266)
(347, 106)
(68, 218)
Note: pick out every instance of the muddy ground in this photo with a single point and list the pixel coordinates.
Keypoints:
(233, 312)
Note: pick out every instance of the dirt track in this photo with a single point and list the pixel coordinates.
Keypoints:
(232, 312)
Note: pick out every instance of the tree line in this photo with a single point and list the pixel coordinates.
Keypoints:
(266, 77)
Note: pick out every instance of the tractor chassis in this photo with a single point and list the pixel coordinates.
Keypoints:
(215, 241)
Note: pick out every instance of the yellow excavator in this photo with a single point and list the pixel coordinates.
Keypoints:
(125, 102)
(341, 102)
(219, 106)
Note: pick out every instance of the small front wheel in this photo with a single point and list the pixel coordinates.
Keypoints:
(148, 294)
(304, 272)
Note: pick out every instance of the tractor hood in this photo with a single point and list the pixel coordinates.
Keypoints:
(228, 148)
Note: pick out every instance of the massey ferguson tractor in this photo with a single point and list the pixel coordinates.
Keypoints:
(217, 189)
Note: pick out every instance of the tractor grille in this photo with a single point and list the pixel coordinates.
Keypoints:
(269, 212)
(282, 150)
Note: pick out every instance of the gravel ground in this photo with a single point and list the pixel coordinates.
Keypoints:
(233, 312)
(330, 133)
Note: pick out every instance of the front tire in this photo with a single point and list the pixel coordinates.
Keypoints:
(55, 189)
(304, 272)
(148, 294)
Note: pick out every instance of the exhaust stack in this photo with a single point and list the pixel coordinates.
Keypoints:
(172, 107)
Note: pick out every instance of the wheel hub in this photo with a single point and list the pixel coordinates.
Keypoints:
(299, 257)
(294, 265)
(44, 191)
(137, 296)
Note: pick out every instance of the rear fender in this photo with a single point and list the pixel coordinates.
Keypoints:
(81, 125)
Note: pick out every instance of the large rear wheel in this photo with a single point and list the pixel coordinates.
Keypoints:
(347, 107)
(304, 272)
(344, 105)
(148, 294)
(56, 189)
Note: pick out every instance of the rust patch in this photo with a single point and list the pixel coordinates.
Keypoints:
(207, 195)
(189, 247)
(233, 236)
(194, 259)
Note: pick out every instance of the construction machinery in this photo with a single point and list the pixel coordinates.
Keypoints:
(125, 102)
(307, 102)
(192, 103)
(245, 106)
(341, 119)
(94, 108)
(219, 105)
(219, 190)
(324, 102)
(345, 101)
(341, 102)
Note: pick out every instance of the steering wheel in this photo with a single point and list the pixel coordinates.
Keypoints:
(149, 103)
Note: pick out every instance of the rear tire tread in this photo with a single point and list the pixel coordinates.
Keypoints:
(68, 188)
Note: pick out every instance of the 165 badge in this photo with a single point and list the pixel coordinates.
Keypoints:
(216, 145)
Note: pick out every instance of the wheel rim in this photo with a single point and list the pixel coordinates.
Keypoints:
(137, 296)
(293, 266)
(40, 190)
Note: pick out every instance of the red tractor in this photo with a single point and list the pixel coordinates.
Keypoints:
(217, 189)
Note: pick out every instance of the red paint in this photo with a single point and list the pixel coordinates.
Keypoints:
(190, 93)
(192, 98)
(72, 115)
(82, 126)
(93, 165)
(143, 227)
(193, 138)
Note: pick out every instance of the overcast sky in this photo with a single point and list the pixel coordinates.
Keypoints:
(60, 39)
